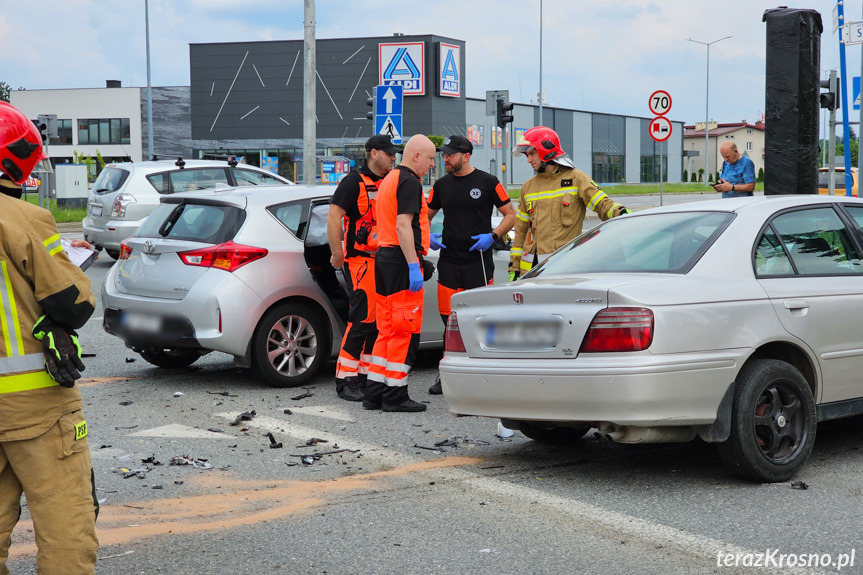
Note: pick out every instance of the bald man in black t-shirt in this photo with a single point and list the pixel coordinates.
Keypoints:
(467, 197)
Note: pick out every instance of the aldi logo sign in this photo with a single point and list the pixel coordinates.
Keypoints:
(403, 65)
(449, 70)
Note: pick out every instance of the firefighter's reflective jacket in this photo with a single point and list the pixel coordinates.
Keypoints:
(551, 212)
(36, 278)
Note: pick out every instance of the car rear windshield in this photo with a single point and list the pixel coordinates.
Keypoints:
(824, 179)
(206, 223)
(656, 243)
(110, 180)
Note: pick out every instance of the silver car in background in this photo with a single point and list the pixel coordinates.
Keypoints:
(734, 320)
(125, 193)
(243, 271)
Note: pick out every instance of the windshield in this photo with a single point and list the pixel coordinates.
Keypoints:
(657, 243)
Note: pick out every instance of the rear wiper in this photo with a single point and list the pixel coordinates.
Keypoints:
(168, 224)
(102, 190)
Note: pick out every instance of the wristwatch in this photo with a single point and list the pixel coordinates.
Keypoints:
(494, 236)
(732, 187)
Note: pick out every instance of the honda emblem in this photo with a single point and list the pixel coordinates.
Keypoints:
(517, 297)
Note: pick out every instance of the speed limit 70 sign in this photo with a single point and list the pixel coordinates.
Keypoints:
(660, 103)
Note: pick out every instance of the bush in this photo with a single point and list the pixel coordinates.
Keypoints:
(710, 178)
(694, 177)
(685, 176)
(760, 177)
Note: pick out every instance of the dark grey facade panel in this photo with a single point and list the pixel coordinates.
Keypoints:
(564, 129)
(254, 90)
(172, 135)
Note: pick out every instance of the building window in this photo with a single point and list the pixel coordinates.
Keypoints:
(650, 169)
(749, 131)
(104, 131)
(64, 133)
(748, 146)
(608, 168)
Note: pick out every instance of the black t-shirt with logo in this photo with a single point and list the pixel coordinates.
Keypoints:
(467, 203)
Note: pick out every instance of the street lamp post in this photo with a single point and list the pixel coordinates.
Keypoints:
(707, 108)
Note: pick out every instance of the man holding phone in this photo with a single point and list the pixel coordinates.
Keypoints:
(737, 178)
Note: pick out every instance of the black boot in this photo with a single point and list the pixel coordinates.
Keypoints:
(362, 379)
(347, 389)
(436, 389)
(373, 395)
(396, 399)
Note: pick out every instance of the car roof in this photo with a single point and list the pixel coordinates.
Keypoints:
(165, 165)
(255, 196)
(770, 203)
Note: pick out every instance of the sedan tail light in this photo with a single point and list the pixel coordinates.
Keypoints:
(121, 202)
(227, 256)
(125, 250)
(619, 329)
(453, 340)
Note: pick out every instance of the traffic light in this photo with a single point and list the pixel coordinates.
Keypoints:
(43, 129)
(504, 113)
(830, 99)
(371, 115)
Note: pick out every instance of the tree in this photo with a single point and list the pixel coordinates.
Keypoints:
(693, 177)
(760, 177)
(4, 91)
(685, 176)
(700, 174)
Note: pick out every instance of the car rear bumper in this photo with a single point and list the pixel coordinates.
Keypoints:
(207, 317)
(685, 389)
(111, 234)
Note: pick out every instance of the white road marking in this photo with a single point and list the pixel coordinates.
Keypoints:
(177, 430)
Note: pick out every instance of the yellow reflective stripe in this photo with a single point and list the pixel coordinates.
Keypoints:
(9, 316)
(550, 193)
(516, 252)
(597, 197)
(26, 382)
(522, 216)
(610, 213)
(526, 265)
(53, 244)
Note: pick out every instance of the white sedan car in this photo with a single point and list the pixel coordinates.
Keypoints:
(736, 320)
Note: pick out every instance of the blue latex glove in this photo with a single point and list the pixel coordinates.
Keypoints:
(434, 242)
(416, 277)
(483, 242)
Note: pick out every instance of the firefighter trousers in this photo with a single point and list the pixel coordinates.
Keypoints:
(399, 319)
(55, 474)
(362, 330)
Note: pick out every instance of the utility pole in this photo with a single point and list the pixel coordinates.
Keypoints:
(149, 84)
(310, 95)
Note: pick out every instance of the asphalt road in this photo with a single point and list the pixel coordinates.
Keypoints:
(394, 504)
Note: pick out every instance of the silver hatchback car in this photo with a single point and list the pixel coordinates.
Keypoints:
(241, 271)
(124, 194)
(733, 320)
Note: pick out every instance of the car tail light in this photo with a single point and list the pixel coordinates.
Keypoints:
(227, 256)
(619, 329)
(453, 340)
(125, 250)
(121, 202)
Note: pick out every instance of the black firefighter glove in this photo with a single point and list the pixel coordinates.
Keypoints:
(61, 349)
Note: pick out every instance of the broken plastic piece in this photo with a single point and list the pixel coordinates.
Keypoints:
(288, 412)
(273, 443)
(308, 460)
(245, 416)
(178, 393)
(315, 441)
(302, 396)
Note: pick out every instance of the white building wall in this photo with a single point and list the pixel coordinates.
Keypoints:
(582, 142)
(88, 103)
(633, 151)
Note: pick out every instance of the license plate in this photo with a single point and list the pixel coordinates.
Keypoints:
(141, 323)
(522, 335)
(95, 210)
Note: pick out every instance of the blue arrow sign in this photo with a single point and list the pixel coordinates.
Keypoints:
(855, 91)
(388, 111)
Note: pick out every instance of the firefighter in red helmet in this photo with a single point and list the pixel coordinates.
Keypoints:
(553, 203)
(43, 434)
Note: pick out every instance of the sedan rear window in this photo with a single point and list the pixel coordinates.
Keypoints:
(110, 180)
(663, 243)
(207, 223)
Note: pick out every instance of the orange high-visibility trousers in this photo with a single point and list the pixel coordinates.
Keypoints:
(360, 335)
(399, 320)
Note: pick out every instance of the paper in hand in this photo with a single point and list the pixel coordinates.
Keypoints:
(81, 257)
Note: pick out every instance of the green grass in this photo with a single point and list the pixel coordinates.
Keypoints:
(642, 189)
(61, 215)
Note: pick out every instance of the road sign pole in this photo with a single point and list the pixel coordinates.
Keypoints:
(846, 133)
(860, 125)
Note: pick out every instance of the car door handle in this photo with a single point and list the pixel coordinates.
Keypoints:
(797, 306)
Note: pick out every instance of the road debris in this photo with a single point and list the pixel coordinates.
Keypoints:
(124, 403)
(215, 430)
(186, 460)
(245, 416)
(273, 443)
(434, 449)
(120, 554)
(288, 412)
(131, 360)
(151, 460)
(799, 485)
(178, 393)
(315, 441)
(222, 393)
(302, 396)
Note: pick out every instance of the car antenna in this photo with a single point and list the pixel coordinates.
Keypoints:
(180, 163)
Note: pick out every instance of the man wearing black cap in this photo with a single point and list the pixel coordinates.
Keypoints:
(467, 197)
(352, 220)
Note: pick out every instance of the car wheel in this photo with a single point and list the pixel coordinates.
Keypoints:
(171, 358)
(288, 346)
(550, 434)
(113, 253)
(773, 422)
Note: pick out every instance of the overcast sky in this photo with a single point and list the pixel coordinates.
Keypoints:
(598, 55)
